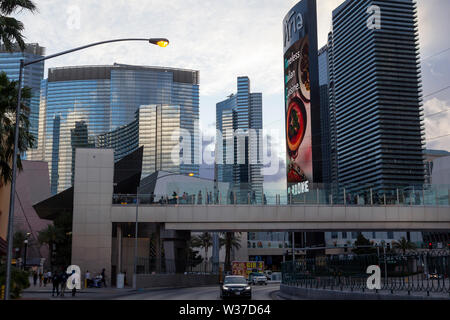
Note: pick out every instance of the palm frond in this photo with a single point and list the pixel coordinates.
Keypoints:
(9, 6)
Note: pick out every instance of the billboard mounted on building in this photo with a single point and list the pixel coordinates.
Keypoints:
(302, 109)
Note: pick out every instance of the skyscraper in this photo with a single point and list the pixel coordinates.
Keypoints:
(101, 99)
(239, 150)
(32, 76)
(376, 94)
(325, 114)
(158, 129)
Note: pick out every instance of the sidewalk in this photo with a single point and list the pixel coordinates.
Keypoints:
(36, 292)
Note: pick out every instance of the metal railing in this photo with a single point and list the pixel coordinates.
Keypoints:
(424, 272)
(168, 266)
(329, 195)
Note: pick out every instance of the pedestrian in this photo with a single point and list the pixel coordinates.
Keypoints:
(63, 276)
(41, 278)
(45, 278)
(87, 276)
(35, 278)
(74, 289)
(199, 197)
(103, 277)
(55, 282)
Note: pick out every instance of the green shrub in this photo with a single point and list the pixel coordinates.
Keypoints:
(19, 280)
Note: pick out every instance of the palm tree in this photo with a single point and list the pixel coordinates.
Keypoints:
(49, 237)
(8, 103)
(403, 245)
(18, 240)
(10, 28)
(231, 241)
(205, 240)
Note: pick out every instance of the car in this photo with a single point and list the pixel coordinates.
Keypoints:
(435, 276)
(257, 278)
(268, 274)
(235, 287)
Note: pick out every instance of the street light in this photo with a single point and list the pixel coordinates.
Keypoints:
(190, 174)
(162, 42)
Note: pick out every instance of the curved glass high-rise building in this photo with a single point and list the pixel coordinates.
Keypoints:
(82, 103)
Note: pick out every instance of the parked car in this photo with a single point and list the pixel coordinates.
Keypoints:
(235, 287)
(268, 274)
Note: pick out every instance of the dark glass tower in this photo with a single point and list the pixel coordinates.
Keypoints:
(377, 96)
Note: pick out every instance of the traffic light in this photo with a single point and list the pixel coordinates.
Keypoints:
(430, 245)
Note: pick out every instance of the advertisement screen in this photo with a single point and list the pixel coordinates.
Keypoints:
(244, 268)
(300, 86)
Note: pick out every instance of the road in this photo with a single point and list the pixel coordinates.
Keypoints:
(199, 293)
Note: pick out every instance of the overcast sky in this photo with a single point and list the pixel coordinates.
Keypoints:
(223, 39)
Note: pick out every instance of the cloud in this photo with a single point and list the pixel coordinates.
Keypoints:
(223, 39)
(437, 125)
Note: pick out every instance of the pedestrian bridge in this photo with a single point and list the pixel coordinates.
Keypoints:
(246, 218)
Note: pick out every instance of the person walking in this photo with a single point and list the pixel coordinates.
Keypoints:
(46, 279)
(35, 278)
(103, 278)
(199, 197)
(63, 277)
(87, 276)
(74, 289)
(55, 282)
(41, 278)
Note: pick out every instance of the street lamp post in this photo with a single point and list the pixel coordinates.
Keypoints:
(162, 42)
(191, 174)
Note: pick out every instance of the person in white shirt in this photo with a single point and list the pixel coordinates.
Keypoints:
(87, 276)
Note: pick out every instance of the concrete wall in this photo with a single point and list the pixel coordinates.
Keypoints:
(301, 218)
(32, 186)
(319, 294)
(92, 227)
(176, 280)
(4, 209)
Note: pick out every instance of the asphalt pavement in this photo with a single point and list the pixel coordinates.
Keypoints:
(259, 292)
(268, 292)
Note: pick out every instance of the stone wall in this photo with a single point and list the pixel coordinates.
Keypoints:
(175, 280)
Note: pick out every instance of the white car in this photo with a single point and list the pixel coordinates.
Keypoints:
(258, 278)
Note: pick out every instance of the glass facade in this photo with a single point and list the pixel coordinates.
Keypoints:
(100, 102)
(377, 95)
(32, 76)
(239, 120)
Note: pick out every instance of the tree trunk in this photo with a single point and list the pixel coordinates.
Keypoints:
(228, 241)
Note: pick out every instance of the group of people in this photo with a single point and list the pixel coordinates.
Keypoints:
(43, 277)
(59, 279)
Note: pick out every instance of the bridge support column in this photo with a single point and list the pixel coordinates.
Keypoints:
(119, 248)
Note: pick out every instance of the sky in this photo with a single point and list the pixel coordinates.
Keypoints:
(224, 39)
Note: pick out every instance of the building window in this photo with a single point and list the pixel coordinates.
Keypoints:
(390, 235)
(334, 235)
(354, 235)
(344, 235)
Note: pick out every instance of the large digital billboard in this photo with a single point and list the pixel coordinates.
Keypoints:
(302, 109)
